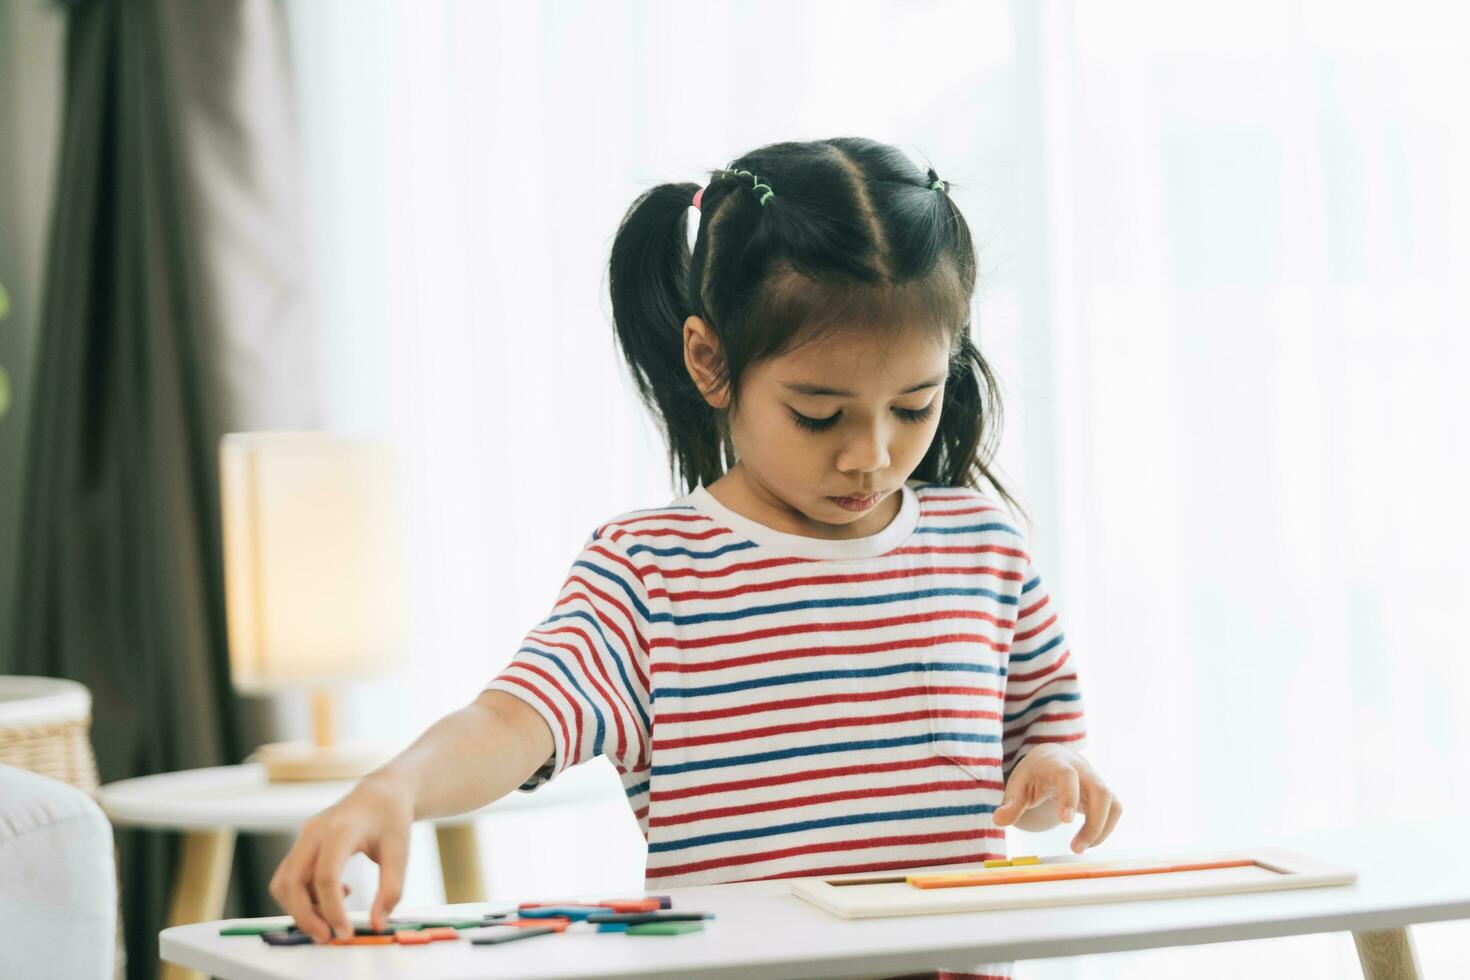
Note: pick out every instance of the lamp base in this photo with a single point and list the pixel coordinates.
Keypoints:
(293, 762)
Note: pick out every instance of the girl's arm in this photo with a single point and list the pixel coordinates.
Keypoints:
(464, 761)
(469, 758)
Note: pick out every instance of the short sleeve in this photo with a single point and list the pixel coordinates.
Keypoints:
(584, 668)
(1043, 698)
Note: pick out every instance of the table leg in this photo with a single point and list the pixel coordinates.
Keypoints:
(459, 863)
(1387, 954)
(199, 889)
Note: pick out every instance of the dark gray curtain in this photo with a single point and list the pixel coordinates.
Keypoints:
(173, 312)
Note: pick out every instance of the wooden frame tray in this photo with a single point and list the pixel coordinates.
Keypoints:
(1128, 878)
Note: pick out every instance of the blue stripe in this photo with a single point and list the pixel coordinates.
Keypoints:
(613, 655)
(596, 712)
(666, 552)
(1041, 701)
(802, 750)
(838, 821)
(638, 788)
(966, 529)
(1048, 645)
(612, 576)
(1031, 585)
(846, 601)
(821, 675)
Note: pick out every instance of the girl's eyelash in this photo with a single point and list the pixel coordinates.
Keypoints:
(820, 425)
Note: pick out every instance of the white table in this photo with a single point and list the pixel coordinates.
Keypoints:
(211, 806)
(762, 931)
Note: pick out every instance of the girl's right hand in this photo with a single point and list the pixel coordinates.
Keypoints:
(376, 818)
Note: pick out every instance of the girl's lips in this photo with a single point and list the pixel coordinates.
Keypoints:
(856, 502)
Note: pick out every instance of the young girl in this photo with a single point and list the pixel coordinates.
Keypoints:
(834, 653)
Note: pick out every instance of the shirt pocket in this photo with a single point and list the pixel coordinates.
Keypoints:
(965, 702)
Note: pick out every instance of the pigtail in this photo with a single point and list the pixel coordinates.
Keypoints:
(969, 427)
(648, 278)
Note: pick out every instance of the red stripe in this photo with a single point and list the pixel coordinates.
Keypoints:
(1051, 668)
(621, 560)
(574, 748)
(740, 566)
(1041, 739)
(720, 738)
(821, 847)
(566, 740)
(959, 549)
(676, 516)
(687, 643)
(1021, 698)
(1045, 716)
(1028, 634)
(933, 512)
(782, 779)
(605, 693)
(662, 532)
(790, 583)
(843, 697)
(865, 793)
(679, 667)
(1026, 613)
(611, 601)
(751, 566)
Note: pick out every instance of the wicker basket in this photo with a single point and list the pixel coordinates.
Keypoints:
(45, 726)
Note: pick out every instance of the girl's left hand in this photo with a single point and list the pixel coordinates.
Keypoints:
(1051, 772)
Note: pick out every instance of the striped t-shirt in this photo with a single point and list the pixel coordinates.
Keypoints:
(781, 706)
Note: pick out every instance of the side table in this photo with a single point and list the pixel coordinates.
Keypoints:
(211, 806)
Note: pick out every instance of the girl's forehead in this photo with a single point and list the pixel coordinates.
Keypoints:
(868, 350)
(861, 357)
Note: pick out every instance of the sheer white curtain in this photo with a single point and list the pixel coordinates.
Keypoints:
(1218, 283)
(1256, 261)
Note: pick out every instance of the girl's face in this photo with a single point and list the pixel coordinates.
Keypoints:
(827, 433)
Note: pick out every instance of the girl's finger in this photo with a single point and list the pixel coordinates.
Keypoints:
(328, 881)
(290, 888)
(1068, 790)
(1114, 812)
(392, 858)
(1099, 802)
(1016, 801)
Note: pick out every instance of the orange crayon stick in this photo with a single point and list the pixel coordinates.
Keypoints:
(1061, 872)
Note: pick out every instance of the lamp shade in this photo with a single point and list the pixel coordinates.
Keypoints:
(313, 552)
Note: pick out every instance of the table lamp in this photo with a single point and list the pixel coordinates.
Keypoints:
(314, 582)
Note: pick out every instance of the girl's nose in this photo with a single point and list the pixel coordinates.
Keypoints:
(866, 452)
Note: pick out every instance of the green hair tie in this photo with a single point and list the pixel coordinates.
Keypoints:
(939, 185)
(755, 184)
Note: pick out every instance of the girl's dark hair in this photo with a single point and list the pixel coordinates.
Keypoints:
(854, 234)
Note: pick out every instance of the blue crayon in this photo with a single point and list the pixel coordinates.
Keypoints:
(574, 912)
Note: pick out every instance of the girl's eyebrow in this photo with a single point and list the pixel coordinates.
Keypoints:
(806, 388)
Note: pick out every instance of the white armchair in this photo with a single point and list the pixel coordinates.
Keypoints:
(58, 880)
(58, 869)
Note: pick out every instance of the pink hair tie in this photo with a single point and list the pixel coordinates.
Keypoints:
(697, 195)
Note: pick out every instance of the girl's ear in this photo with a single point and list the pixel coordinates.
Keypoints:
(703, 359)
